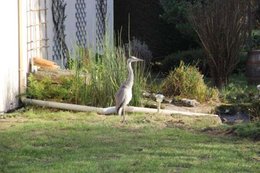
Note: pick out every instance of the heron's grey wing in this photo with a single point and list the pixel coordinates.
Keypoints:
(120, 96)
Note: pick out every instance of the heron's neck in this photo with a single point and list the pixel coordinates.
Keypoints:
(130, 79)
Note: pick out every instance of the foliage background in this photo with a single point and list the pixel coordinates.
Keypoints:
(147, 24)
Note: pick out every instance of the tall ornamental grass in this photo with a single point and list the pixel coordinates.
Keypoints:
(186, 81)
(104, 73)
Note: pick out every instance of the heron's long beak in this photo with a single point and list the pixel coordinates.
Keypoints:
(135, 59)
(138, 59)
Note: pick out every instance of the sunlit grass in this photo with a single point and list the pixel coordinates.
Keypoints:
(40, 140)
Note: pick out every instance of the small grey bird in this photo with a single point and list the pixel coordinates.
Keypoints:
(124, 94)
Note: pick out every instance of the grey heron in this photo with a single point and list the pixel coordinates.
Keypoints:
(124, 94)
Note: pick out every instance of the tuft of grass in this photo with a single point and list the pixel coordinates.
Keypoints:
(107, 72)
(41, 140)
(186, 81)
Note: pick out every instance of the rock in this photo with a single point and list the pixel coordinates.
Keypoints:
(167, 100)
(147, 94)
(188, 102)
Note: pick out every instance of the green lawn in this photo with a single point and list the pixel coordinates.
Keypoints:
(39, 140)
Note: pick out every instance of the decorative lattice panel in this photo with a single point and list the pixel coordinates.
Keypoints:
(37, 38)
(101, 14)
(81, 23)
(60, 49)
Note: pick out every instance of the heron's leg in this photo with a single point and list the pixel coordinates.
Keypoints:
(124, 118)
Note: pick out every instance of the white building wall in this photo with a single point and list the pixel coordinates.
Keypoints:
(70, 25)
(50, 32)
(91, 24)
(24, 61)
(9, 46)
(110, 19)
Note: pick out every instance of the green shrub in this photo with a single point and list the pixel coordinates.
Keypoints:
(254, 111)
(186, 81)
(36, 89)
(238, 91)
(45, 89)
(190, 57)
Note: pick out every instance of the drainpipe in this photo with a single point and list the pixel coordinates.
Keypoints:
(110, 110)
(64, 106)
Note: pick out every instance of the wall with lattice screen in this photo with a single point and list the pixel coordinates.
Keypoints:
(56, 28)
(37, 38)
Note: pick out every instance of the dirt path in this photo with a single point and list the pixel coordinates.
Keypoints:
(202, 108)
(9, 122)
